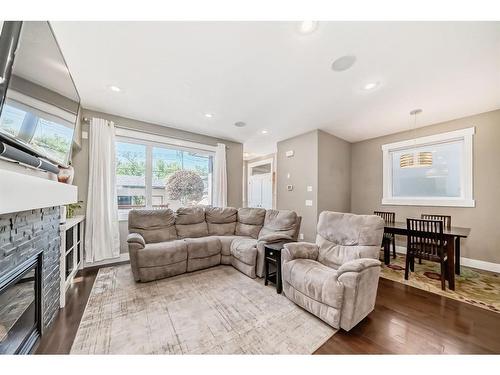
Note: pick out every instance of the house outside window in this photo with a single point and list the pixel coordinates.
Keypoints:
(430, 171)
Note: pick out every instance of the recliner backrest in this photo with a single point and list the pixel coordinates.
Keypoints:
(153, 225)
(221, 221)
(280, 221)
(190, 222)
(342, 237)
(250, 221)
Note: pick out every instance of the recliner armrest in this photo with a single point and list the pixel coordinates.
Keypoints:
(299, 250)
(357, 265)
(275, 237)
(136, 238)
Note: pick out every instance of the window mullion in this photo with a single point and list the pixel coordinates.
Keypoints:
(149, 176)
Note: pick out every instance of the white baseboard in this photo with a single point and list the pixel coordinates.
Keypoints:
(468, 262)
(124, 257)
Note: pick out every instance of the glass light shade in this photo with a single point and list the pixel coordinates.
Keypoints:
(421, 159)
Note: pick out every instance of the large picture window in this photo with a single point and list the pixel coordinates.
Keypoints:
(429, 171)
(156, 174)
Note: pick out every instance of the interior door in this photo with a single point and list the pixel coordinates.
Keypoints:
(254, 192)
(260, 185)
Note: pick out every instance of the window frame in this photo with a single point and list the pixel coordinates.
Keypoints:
(467, 174)
(150, 141)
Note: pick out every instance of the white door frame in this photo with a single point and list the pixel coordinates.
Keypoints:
(249, 175)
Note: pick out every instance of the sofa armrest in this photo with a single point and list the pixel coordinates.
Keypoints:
(299, 250)
(275, 237)
(137, 239)
(357, 265)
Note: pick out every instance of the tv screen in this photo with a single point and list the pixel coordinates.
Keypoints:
(40, 106)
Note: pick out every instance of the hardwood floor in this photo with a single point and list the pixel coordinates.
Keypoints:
(406, 320)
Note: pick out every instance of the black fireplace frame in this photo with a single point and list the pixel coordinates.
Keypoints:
(15, 275)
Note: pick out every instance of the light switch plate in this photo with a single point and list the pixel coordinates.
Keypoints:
(301, 236)
(85, 135)
(289, 153)
(289, 187)
(309, 202)
(309, 188)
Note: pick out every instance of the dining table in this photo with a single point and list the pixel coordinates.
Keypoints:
(452, 235)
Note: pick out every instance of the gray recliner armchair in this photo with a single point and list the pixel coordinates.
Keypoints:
(336, 278)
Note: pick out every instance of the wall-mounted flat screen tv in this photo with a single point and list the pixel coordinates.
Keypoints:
(39, 102)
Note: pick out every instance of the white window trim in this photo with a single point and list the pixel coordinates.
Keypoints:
(467, 183)
(152, 140)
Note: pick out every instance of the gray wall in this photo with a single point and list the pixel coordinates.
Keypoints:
(303, 169)
(322, 161)
(484, 241)
(334, 173)
(234, 158)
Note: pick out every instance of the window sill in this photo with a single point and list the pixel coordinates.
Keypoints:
(438, 202)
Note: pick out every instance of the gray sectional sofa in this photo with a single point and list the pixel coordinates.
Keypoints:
(164, 243)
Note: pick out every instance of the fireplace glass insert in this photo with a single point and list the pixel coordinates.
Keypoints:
(20, 307)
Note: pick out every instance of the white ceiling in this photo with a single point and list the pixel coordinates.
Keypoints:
(271, 77)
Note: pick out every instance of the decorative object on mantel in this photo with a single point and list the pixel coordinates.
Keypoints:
(421, 159)
(66, 175)
(72, 207)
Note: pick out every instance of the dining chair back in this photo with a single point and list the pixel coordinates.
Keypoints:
(425, 241)
(446, 219)
(388, 239)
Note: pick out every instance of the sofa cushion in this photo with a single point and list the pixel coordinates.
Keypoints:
(153, 225)
(221, 221)
(190, 222)
(314, 280)
(225, 242)
(279, 221)
(202, 247)
(250, 221)
(162, 253)
(245, 250)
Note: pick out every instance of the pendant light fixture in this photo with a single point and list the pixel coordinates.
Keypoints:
(421, 159)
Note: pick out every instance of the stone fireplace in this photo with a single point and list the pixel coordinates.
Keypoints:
(29, 275)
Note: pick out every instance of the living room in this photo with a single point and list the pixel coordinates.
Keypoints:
(252, 186)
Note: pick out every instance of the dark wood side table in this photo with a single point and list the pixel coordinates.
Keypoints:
(272, 259)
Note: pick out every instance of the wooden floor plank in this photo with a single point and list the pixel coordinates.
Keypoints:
(406, 320)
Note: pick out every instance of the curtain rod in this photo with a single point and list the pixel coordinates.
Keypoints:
(87, 121)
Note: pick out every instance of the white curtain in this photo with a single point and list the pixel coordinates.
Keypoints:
(220, 177)
(102, 238)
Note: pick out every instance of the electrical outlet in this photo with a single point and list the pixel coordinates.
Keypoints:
(301, 236)
(85, 135)
(309, 188)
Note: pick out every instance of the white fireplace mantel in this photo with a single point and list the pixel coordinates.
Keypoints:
(21, 192)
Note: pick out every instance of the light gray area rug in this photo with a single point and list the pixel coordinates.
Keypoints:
(214, 311)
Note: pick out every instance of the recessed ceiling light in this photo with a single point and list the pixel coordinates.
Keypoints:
(264, 131)
(307, 27)
(343, 63)
(240, 124)
(370, 86)
(209, 115)
(114, 88)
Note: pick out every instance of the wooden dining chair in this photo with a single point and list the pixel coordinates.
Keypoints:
(446, 219)
(388, 239)
(426, 241)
